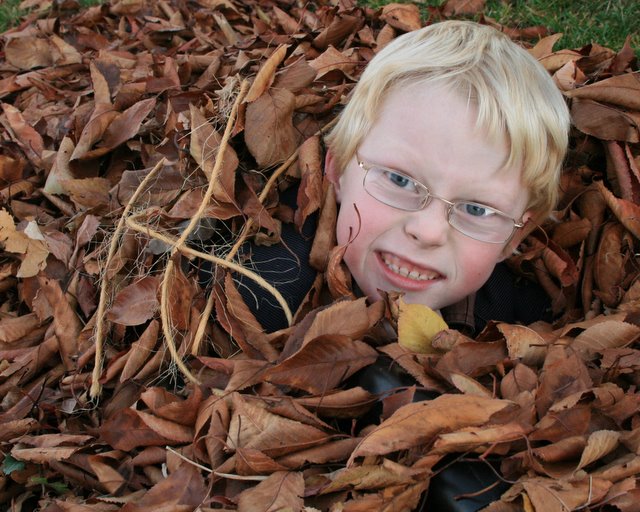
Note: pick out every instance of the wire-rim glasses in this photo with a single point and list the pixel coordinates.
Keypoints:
(475, 220)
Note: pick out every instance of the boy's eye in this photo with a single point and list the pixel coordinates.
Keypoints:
(476, 210)
(400, 181)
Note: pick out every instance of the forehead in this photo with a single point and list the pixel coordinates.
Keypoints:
(430, 132)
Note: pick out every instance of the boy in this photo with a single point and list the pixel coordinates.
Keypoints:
(452, 140)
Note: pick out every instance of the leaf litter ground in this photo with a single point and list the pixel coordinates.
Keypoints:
(133, 130)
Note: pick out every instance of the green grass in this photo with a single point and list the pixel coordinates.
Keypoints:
(606, 22)
(10, 12)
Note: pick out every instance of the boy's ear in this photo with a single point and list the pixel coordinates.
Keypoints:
(332, 172)
(513, 243)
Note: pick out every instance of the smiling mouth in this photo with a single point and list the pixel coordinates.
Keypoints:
(411, 272)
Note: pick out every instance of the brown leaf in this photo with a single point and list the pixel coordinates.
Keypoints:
(604, 121)
(15, 328)
(254, 462)
(24, 135)
(281, 491)
(108, 477)
(310, 190)
(346, 317)
(475, 439)
(600, 443)
(627, 213)
(325, 235)
(140, 351)
(322, 363)
(266, 74)
(126, 430)
(520, 379)
(563, 373)
(333, 60)
(295, 76)
(623, 90)
(348, 403)
(60, 170)
(367, 477)
(180, 299)
(252, 426)
(136, 303)
(572, 232)
(183, 490)
(605, 334)
(524, 343)
(458, 7)
(94, 130)
(204, 145)
(553, 495)
(88, 192)
(28, 52)
(44, 455)
(405, 17)
(269, 132)
(333, 451)
(123, 127)
(337, 31)
(171, 407)
(609, 266)
(66, 323)
(418, 423)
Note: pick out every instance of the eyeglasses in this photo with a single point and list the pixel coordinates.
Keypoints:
(475, 220)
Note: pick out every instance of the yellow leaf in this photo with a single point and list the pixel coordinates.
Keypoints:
(417, 326)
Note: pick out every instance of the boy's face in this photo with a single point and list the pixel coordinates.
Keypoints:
(427, 133)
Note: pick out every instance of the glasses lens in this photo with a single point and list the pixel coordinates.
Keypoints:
(394, 189)
(481, 222)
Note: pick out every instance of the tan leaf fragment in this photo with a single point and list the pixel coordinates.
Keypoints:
(524, 343)
(28, 243)
(599, 444)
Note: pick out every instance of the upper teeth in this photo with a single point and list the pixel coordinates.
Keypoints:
(413, 274)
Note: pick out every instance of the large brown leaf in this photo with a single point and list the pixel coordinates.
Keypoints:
(419, 423)
(269, 132)
(322, 364)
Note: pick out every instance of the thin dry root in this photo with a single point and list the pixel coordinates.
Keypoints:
(104, 285)
(178, 246)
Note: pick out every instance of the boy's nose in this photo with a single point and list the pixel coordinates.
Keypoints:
(429, 226)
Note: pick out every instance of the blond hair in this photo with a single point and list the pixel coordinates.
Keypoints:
(513, 93)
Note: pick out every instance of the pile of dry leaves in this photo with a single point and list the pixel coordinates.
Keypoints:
(130, 129)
